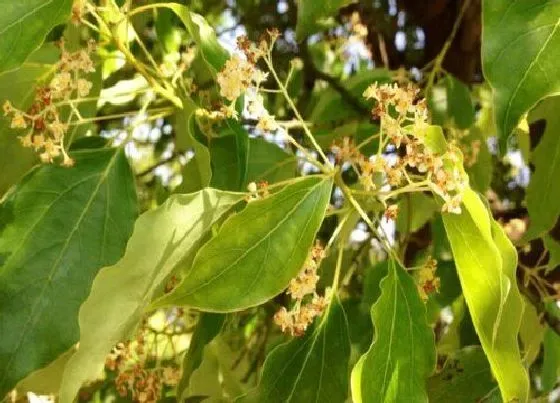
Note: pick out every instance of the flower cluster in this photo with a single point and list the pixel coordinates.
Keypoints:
(43, 121)
(404, 127)
(427, 281)
(301, 288)
(241, 76)
(133, 377)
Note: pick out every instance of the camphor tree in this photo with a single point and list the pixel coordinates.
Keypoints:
(279, 201)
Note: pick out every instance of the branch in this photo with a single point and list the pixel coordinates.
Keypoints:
(333, 82)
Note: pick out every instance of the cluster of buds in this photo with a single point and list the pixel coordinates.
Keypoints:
(45, 128)
(303, 287)
(257, 191)
(133, 377)
(404, 125)
(427, 281)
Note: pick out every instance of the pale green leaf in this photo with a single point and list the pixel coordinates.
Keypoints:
(403, 353)
(256, 252)
(311, 368)
(486, 263)
(520, 45)
(58, 227)
(543, 191)
(24, 24)
(312, 16)
(551, 360)
(162, 239)
(465, 378)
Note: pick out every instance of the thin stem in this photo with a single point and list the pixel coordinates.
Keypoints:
(158, 114)
(306, 130)
(348, 194)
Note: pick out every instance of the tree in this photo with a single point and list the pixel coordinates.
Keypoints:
(279, 202)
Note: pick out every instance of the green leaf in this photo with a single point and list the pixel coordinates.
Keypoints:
(162, 239)
(531, 333)
(466, 378)
(415, 210)
(204, 36)
(332, 107)
(197, 172)
(268, 162)
(451, 103)
(434, 139)
(312, 16)
(46, 381)
(208, 327)
(256, 252)
(543, 191)
(19, 88)
(58, 227)
(520, 45)
(551, 360)
(486, 263)
(24, 25)
(229, 158)
(480, 172)
(311, 368)
(403, 353)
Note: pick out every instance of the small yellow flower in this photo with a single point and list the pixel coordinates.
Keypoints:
(18, 121)
(8, 108)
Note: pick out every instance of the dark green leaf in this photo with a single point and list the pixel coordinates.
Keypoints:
(24, 25)
(465, 378)
(58, 227)
(19, 88)
(543, 191)
(256, 252)
(313, 16)
(229, 158)
(311, 368)
(486, 263)
(520, 45)
(403, 353)
(163, 239)
(197, 172)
